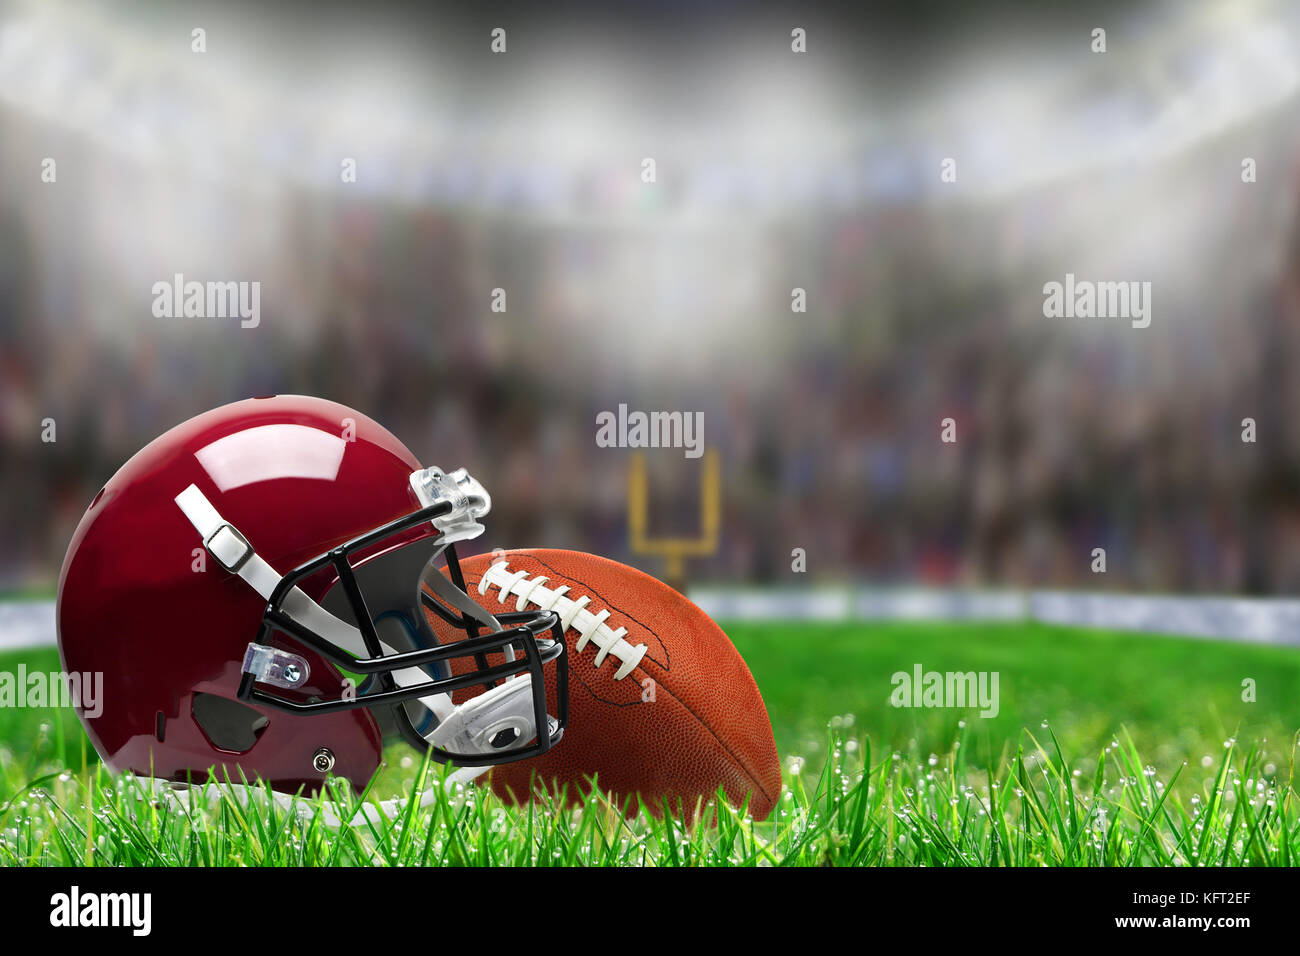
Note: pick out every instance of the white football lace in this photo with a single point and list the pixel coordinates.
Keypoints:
(591, 628)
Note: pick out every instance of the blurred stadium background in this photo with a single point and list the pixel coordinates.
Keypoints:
(775, 171)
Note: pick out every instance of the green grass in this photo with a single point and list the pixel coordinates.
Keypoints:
(1180, 698)
(1109, 749)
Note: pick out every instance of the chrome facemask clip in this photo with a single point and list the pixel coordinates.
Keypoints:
(469, 501)
(269, 665)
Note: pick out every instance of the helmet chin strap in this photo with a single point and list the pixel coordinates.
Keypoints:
(375, 814)
(501, 713)
(450, 594)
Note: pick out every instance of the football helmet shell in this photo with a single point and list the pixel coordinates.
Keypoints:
(252, 587)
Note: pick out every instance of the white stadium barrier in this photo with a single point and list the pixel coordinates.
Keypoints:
(1253, 620)
(26, 624)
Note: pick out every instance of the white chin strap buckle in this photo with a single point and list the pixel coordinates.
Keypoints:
(498, 719)
(469, 501)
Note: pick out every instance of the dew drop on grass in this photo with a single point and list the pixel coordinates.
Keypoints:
(1043, 725)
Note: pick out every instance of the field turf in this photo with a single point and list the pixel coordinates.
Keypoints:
(1108, 749)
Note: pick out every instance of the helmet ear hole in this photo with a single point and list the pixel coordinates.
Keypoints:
(228, 724)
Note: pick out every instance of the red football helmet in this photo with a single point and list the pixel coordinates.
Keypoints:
(241, 574)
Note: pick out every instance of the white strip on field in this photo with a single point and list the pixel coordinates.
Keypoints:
(1253, 620)
(1257, 620)
(26, 624)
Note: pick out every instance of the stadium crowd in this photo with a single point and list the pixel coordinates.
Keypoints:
(1071, 435)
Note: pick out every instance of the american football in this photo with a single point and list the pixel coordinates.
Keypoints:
(661, 704)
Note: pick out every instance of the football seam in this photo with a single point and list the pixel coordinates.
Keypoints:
(472, 582)
(558, 576)
(580, 588)
(714, 734)
(735, 760)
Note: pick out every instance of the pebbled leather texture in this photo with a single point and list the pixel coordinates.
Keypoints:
(685, 721)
